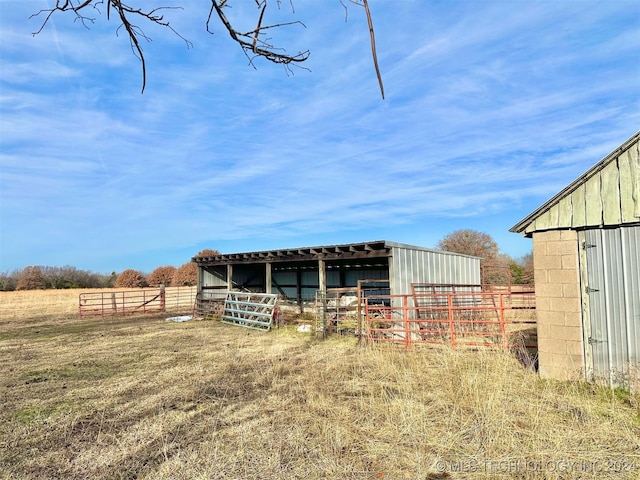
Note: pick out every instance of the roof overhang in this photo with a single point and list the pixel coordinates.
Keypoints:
(348, 251)
(522, 226)
(374, 249)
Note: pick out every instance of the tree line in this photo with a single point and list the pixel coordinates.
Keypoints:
(498, 269)
(42, 277)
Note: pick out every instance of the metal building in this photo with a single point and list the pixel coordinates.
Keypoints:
(586, 249)
(298, 273)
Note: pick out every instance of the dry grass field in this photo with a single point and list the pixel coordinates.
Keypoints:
(140, 397)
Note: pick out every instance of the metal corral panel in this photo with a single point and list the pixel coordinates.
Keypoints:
(612, 322)
(410, 265)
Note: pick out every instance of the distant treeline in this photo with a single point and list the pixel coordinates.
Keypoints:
(41, 277)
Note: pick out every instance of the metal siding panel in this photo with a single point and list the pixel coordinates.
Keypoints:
(287, 277)
(610, 194)
(613, 270)
(565, 212)
(241, 276)
(543, 221)
(216, 278)
(418, 266)
(309, 277)
(578, 204)
(629, 165)
(593, 201)
(599, 339)
(634, 153)
(615, 300)
(627, 180)
(333, 279)
(631, 269)
(553, 216)
(351, 277)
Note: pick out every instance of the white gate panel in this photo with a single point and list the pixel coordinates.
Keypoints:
(250, 310)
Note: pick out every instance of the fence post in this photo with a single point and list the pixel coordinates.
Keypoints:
(365, 323)
(163, 307)
(407, 328)
(502, 323)
(452, 327)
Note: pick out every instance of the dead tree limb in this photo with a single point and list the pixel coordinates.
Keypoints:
(253, 42)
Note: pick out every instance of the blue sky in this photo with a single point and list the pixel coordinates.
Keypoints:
(491, 108)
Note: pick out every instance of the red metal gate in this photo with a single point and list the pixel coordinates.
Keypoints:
(121, 302)
(471, 319)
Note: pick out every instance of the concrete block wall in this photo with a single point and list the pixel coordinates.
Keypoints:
(558, 305)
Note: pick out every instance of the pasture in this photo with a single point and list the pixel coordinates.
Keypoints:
(140, 397)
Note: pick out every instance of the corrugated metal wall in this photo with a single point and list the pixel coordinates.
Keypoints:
(214, 276)
(612, 322)
(426, 266)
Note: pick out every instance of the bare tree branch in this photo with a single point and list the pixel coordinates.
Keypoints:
(365, 5)
(125, 14)
(373, 47)
(252, 42)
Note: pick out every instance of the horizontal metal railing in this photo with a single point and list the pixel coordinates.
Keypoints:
(471, 319)
(142, 300)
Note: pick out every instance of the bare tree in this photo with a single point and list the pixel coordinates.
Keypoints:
(253, 42)
(31, 278)
(470, 242)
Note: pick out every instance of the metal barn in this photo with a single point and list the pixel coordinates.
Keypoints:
(586, 249)
(298, 273)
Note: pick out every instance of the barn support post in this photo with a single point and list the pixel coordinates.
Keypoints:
(322, 276)
(299, 289)
(229, 277)
(268, 277)
(199, 278)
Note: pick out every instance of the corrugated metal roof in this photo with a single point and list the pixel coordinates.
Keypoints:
(607, 194)
(377, 248)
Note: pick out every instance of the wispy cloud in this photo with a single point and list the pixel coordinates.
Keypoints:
(489, 112)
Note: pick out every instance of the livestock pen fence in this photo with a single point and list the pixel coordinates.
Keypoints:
(438, 314)
(471, 318)
(141, 300)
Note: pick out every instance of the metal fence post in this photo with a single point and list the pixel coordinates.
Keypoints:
(502, 323)
(407, 328)
(452, 327)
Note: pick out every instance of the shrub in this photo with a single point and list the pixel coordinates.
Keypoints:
(161, 276)
(130, 279)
